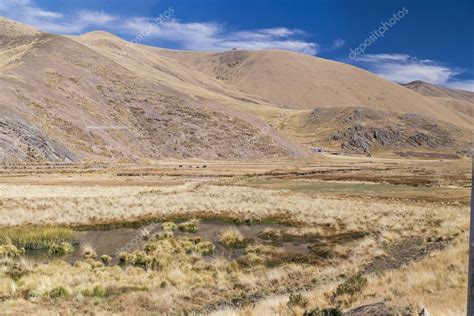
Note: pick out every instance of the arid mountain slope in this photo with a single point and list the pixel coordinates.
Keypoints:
(456, 100)
(276, 78)
(296, 81)
(73, 98)
(87, 98)
(431, 90)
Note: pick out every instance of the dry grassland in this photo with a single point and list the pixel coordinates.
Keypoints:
(409, 246)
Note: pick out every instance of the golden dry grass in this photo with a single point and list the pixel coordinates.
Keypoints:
(438, 283)
(190, 282)
(86, 206)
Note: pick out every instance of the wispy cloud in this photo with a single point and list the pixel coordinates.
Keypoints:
(403, 68)
(467, 85)
(375, 58)
(26, 9)
(28, 12)
(194, 36)
(215, 37)
(95, 18)
(338, 43)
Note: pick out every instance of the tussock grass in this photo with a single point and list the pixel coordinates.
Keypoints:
(169, 226)
(94, 291)
(189, 226)
(171, 272)
(232, 238)
(58, 292)
(10, 251)
(88, 252)
(61, 249)
(105, 259)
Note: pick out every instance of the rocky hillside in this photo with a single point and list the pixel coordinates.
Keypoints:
(366, 130)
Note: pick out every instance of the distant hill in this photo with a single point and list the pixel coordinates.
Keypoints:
(459, 101)
(431, 90)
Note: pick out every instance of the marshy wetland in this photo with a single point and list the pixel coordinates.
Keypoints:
(229, 240)
(249, 239)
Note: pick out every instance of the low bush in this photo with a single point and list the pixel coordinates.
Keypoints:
(95, 291)
(205, 248)
(321, 251)
(62, 249)
(189, 226)
(297, 299)
(10, 251)
(106, 259)
(232, 238)
(59, 291)
(169, 226)
(88, 252)
(347, 291)
(15, 269)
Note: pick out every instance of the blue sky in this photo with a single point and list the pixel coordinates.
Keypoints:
(426, 40)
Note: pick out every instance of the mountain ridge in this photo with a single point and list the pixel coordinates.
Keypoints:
(80, 98)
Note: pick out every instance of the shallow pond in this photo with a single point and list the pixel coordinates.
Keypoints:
(110, 242)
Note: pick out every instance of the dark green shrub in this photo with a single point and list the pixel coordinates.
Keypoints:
(59, 291)
(321, 251)
(352, 285)
(189, 227)
(55, 249)
(297, 299)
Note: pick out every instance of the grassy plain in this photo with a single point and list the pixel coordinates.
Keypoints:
(381, 230)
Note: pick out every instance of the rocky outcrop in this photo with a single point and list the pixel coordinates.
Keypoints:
(362, 129)
(380, 308)
(361, 139)
(20, 140)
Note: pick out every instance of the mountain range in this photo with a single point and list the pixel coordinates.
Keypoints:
(87, 98)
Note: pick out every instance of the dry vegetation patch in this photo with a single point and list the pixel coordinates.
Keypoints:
(34, 237)
(345, 250)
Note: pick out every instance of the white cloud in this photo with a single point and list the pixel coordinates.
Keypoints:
(26, 8)
(95, 18)
(192, 36)
(411, 71)
(467, 85)
(404, 68)
(186, 35)
(214, 37)
(272, 38)
(28, 12)
(338, 43)
(280, 32)
(382, 57)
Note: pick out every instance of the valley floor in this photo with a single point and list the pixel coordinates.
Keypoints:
(328, 232)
